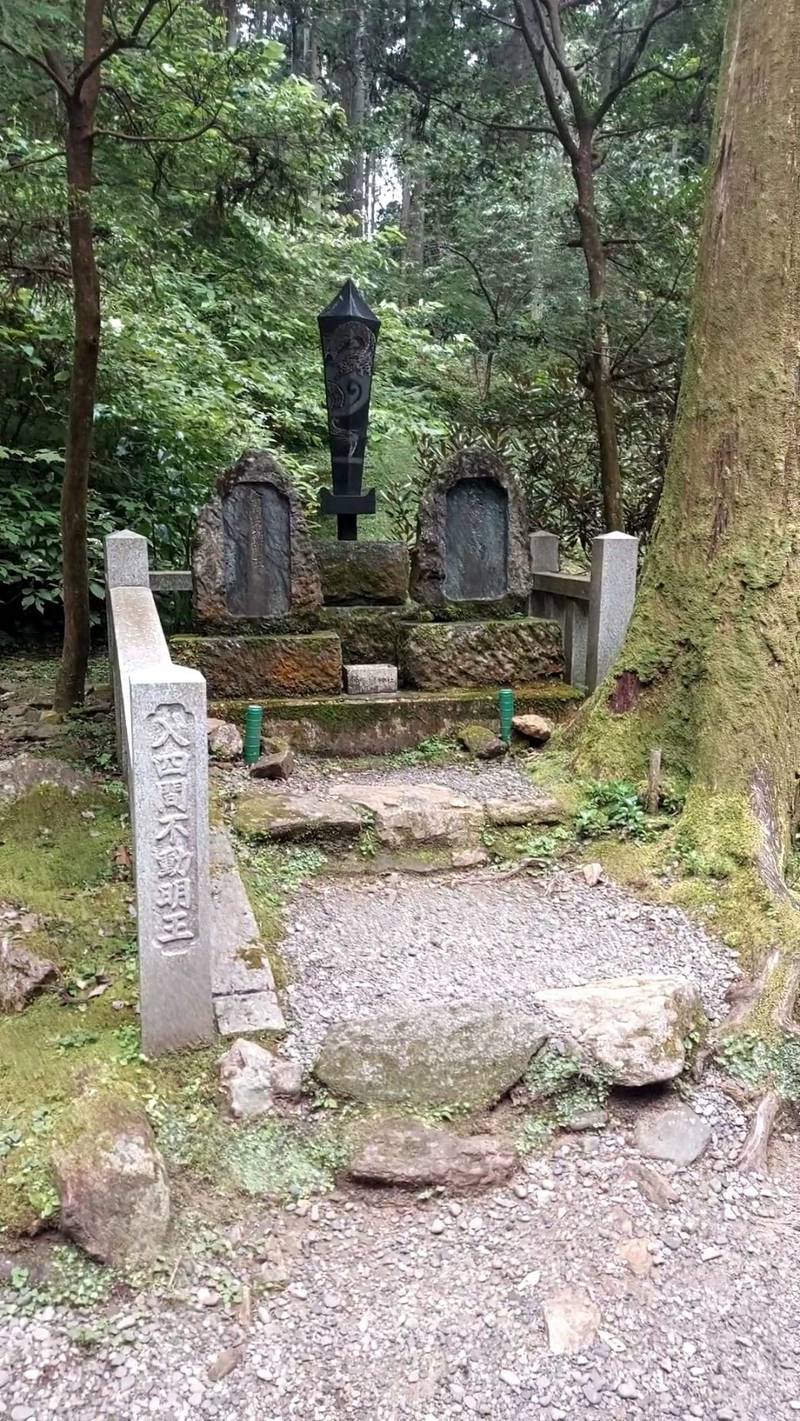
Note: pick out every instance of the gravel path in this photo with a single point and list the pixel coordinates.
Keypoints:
(355, 948)
(385, 1307)
(432, 1309)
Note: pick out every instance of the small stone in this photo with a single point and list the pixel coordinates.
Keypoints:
(469, 858)
(225, 1362)
(22, 974)
(18, 776)
(678, 1135)
(536, 728)
(637, 1255)
(276, 765)
(251, 1077)
(480, 741)
(224, 740)
(655, 1187)
(510, 1378)
(437, 1226)
(572, 1321)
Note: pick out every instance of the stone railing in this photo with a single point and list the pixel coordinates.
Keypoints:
(160, 711)
(593, 609)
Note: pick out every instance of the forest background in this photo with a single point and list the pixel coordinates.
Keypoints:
(516, 188)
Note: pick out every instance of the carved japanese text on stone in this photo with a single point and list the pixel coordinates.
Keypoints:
(476, 536)
(170, 733)
(257, 551)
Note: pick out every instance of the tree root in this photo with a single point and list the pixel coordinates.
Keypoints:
(754, 1151)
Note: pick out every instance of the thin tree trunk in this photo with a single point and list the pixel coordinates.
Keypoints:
(711, 666)
(600, 354)
(354, 100)
(80, 114)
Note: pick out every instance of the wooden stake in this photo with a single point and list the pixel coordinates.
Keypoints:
(653, 781)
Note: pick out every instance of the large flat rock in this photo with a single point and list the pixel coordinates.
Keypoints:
(404, 816)
(270, 815)
(463, 1054)
(635, 1029)
(435, 655)
(255, 666)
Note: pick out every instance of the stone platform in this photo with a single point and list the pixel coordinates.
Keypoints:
(254, 665)
(497, 653)
(379, 725)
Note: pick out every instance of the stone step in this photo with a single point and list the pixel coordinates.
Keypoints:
(242, 984)
(371, 725)
(400, 817)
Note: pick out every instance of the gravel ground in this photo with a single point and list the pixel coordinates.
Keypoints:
(404, 1309)
(385, 1307)
(490, 779)
(355, 948)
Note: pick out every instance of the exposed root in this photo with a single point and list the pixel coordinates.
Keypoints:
(754, 1151)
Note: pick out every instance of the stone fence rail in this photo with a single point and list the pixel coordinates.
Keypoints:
(593, 609)
(160, 711)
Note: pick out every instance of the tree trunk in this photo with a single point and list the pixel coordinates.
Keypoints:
(710, 669)
(354, 102)
(80, 114)
(600, 355)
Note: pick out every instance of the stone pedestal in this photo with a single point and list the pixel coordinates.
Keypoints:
(506, 653)
(362, 573)
(257, 666)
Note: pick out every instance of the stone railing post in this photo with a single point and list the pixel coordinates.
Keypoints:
(611, 597)
(545, 556)
(168, 786)
(126, 565)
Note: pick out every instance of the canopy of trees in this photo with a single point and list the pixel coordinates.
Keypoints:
(516, 187)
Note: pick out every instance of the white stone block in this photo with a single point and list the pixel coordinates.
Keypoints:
(168, 786)
(374, 680)
(126, 559)
(611, 598)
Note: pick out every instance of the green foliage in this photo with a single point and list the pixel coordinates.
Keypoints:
(612, 807)
(763, 1064)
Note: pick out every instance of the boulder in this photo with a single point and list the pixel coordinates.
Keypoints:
(462, 1054)
(296, 816)
(22, 973)
(435, 655)
(677, 1134)
(112, 1183)
(480, 741)
(224, 740)
(251, 1079)
(407, 816)
(533, 727)
(634, 1029)
(412, 1155)
(23, 773)
(276, 765)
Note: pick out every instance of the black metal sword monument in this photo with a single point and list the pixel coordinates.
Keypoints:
(349, 333)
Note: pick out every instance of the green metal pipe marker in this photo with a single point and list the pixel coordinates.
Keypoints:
(253, 721)
(505, 705)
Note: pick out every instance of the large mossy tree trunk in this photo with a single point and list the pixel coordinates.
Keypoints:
(710, 670)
